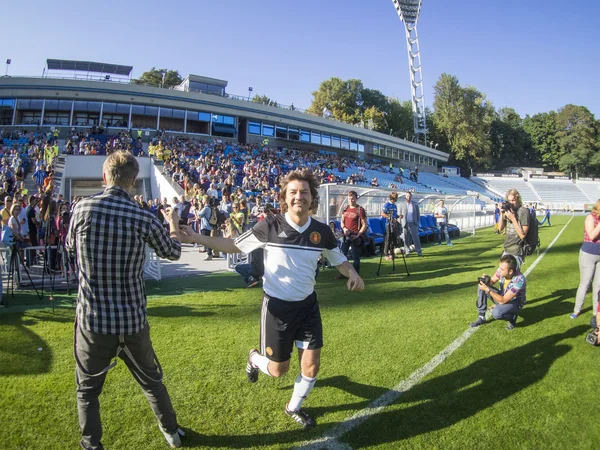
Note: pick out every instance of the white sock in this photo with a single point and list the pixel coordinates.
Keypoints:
(302, 388)
(262, 362)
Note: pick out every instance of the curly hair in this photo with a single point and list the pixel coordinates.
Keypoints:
(300, 175)
(517, 196)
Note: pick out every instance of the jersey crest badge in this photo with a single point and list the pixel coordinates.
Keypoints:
(315, 237)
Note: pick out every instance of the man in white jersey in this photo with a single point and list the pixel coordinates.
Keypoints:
(293, 243)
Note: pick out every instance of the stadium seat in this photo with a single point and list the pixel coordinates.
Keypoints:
(376, 230)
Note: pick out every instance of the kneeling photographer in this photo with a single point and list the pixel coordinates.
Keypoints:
(508, 300)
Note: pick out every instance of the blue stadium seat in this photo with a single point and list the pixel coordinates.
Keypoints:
(376, 229)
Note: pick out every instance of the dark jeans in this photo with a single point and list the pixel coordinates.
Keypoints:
(352, 252)
(93, 353)
(205, 232)
(506, 311)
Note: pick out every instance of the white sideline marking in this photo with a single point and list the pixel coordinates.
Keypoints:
(330, 439)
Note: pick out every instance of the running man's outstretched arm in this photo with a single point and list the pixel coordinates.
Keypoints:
(224, 245)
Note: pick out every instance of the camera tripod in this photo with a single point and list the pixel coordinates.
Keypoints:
(15, 262)
(394, 242)
(50, 257)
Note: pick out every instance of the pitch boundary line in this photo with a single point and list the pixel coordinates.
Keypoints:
(330, 439)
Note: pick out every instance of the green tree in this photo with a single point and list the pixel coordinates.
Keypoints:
(400, 118)
(154, 77)
(510, 143)
(264, 100)
(338, 98)
(578, 139)
(463, 116)
(543, 136)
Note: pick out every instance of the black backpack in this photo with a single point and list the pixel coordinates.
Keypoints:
(532, 239)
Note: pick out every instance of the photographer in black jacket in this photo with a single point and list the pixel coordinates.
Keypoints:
(515, 218)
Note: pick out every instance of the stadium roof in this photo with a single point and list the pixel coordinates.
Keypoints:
(88, 66)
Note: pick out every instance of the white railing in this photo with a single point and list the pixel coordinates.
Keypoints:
(152, 265)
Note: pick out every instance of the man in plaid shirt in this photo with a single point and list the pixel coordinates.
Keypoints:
(109, 232)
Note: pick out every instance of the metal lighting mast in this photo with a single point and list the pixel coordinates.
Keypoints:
(408, 11)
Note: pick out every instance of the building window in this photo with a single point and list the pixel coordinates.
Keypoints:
(345, 143)
(281, 132)
(198, 122)
(254, 128)
(304, 136)
(353, 144)
(225, 120)
(293, 134)
(268, 130)
(375, 149)
(203, 117)
(7, 107)
(361, 147)
(315, 138)
(326, 139)
(29, 112)
(335, 141)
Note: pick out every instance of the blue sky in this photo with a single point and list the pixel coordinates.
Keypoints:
(531, 55)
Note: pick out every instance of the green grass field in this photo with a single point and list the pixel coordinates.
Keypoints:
(531, 388)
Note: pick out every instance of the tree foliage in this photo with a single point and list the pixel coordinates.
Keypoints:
(577, 134)
(264, 100)
(349, 101)
(541, 130)
(465, 124)
(464, 117)
(154, 77)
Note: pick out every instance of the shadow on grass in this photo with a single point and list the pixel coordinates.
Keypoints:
(560, 304)
(432, 405)
(443, 401)
(23, 352)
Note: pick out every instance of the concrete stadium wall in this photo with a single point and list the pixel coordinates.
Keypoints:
(90, 168)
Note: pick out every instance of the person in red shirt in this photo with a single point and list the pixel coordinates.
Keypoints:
(354, 227)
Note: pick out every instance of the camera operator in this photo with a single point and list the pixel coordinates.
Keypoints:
(390, 213)
(509, 299)
(515, 218)
(354, 227)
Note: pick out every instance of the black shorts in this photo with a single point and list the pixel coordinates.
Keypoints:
(282, 323)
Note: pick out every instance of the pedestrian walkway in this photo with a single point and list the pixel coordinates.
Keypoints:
(191, 263)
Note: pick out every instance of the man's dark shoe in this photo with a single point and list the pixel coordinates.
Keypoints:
(252, 281)
(302, 417)
(251, 370)
(478, 322)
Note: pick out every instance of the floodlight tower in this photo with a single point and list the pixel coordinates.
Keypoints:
(408, 11)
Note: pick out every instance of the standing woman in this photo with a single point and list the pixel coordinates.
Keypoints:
(589, 261)
(51, 235)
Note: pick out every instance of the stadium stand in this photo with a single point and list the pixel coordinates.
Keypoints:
(558, 191)
(591, 189)
(502, 185)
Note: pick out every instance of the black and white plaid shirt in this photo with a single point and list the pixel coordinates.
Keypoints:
(108, 232)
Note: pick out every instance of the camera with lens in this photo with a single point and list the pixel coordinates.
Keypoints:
(213, 202)
(484, 279)
(592, 337)
(507, 206)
